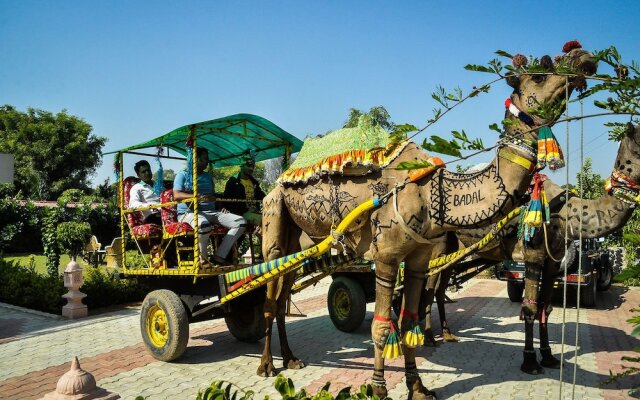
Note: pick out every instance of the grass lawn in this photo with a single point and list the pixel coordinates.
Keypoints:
(41, 261)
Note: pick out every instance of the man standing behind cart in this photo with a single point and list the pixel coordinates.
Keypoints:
(245, 187)
(207, 213)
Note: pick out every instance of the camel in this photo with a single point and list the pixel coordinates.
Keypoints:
(298, 215)
(600, 216)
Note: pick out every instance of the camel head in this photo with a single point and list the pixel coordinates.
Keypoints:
(625, 178)
(547, 87)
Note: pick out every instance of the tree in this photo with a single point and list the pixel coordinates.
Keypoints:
(52, 152)
(592, 184)
(379, 117)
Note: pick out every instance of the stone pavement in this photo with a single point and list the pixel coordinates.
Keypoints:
(36, 349)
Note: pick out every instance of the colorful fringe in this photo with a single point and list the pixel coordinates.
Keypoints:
(374, 158)
(392, 348)
(414, 336)
(323, 262)
(537, 210)
(549, 151)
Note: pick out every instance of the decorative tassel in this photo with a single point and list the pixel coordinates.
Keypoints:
(188, 184)
(392, 348)
(549, 152)
(413, 337)
(158, 185)
(537, 210)
(521, 115)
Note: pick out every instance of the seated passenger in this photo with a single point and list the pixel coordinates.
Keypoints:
(245, 187)
(142, 194)
(207, 213)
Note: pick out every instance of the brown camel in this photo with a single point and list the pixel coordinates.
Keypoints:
(299, 215)
(600, 217)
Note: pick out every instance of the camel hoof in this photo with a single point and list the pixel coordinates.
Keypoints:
(266, 370)
(429, 339)
(294, 364)
(548, 360)
(449, 337)
(530, 364)
(417, 391)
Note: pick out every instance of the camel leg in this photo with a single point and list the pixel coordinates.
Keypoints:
(266, 367)
(441, 289)
(429, 293)
(276, 224)
(289, 361)
(529, 309)
(545, 308)
(380, 327)
(413, 288)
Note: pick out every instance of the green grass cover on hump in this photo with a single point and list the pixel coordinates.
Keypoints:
(363, 136)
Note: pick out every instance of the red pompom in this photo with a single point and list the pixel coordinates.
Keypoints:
(519, 61)
(573, 44)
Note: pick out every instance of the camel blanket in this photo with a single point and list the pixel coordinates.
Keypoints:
(351, 162)
(347, 151)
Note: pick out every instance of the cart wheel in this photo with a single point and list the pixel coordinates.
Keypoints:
(246, 320)
(514, 290)
(347, 303)
(165, 325)
(588, 294)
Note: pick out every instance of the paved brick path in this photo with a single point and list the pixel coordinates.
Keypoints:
(35, 350)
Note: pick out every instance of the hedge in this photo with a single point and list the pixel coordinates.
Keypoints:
(23, 286)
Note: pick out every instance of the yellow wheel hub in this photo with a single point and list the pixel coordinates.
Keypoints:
(342, 304)
(157, 326)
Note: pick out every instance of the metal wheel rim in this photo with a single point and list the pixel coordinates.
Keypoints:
(342, 304)
(157, 326)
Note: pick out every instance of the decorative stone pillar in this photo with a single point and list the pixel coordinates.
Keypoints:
(78, 384)
(73, 280)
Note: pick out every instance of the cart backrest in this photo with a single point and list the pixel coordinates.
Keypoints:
(135, 218)
(169, 213)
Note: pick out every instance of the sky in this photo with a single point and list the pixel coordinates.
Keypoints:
(135, 70)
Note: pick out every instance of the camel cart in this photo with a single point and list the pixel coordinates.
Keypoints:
(165, 257)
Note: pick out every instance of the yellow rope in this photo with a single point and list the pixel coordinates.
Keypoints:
(441, 263)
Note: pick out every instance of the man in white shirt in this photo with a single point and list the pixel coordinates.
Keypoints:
(142, 194)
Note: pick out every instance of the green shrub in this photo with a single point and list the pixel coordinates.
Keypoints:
(73, 236)
(105, 290)
(50, 241)
(24, 287)
(224, 390)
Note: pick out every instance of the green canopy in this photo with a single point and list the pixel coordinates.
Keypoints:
(228, 138)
